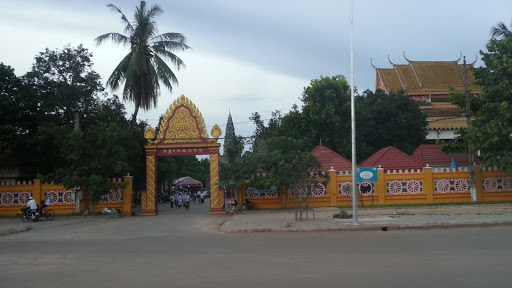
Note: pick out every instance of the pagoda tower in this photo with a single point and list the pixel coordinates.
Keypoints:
(230, 134)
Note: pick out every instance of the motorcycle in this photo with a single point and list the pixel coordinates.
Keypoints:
(34, 215)
(186, 204)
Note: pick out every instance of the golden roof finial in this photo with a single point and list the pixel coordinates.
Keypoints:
(371, 62)
(149, 133)
(389, 59)
(216, 131)
(409, 61)
(476, 58)
(459, 57)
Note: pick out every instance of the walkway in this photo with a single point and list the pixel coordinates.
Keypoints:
(198, 220)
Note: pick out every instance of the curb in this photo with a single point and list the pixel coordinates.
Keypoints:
(383, 227)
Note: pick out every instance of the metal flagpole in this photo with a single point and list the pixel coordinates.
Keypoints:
(353, 114)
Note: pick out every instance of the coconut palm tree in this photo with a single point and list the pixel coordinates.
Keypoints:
(144, 67)
(501, 31)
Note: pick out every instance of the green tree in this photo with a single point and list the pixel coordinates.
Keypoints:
(286, 164)
(144, 66)
(235, 172)
(262, 132)
(235, 148)
(91, 157)
(492, 128)
(388, 120)
(293, 124)
(326, 110)
(60, 83)
(382, 119)
(10, 86)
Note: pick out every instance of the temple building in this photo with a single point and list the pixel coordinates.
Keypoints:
(428, 82)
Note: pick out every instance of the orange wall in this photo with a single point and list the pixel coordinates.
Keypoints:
(14, 197)
(382, 196)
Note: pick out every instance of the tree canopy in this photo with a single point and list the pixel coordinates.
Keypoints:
(384, 120)
(10, 86)
(492, 128)
(381, 119)
(60, 84)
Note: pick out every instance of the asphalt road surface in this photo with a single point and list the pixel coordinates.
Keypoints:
(181, 248)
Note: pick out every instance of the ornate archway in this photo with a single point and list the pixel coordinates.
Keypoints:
(181, 132)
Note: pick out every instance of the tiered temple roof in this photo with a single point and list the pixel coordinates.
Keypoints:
(425, 78)
(429, 83)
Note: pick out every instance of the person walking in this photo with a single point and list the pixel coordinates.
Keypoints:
(180, 201)
(186, 201)
(171, 198)
(202, 198)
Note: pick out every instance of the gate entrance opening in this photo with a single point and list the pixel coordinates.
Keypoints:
(181, 132)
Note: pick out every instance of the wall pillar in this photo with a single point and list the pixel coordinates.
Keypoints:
(37, 193)
(428, 184)
(381, 187)
(332, 188)
(216, 194)
(478, 183)
(149, 204)
(127, 196)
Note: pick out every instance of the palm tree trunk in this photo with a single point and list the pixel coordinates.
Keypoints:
(134, 117)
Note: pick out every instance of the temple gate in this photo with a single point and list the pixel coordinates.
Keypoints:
(182, 132)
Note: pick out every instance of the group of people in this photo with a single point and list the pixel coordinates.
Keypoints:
(179, 199)
(32, 205)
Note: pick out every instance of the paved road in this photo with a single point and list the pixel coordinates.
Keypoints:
(182, 248)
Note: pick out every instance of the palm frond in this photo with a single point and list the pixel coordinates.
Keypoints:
(128, 26)
(178, 37)
(170, 45)
(118, 75)
(162, 52)
(114, 37)
(153, 84)
(165, 74)
(154, 12)
(501, 31)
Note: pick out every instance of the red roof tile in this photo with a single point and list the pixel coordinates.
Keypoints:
(390, 158)
(431, 154)
(329, 158)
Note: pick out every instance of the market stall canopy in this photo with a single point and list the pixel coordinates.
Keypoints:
(185, 181)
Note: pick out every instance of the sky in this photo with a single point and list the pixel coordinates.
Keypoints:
(257, 56)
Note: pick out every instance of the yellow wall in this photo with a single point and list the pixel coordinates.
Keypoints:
(381, 195)
(37, 190)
